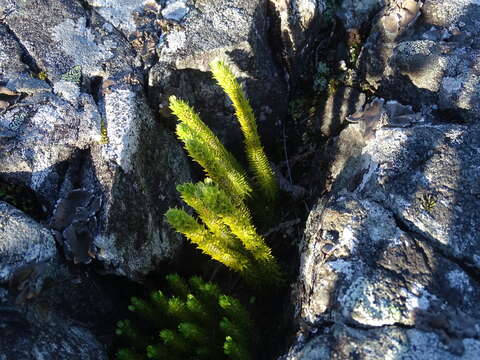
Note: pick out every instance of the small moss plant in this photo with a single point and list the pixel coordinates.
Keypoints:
(226, 231)
(193, 321)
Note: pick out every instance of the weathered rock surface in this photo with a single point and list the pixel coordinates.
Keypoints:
(10, 55)
(84, 126)
(296, 25)
(390, 259)
(47, 311)
(390, 262)
(355, 13)
(237, 33)
(22, 241)
(26, 336)
(426, 53)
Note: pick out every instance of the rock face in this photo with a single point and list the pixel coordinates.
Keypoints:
(81, 135)
(390, 257)
(425, 53)
(237, 33)
(46, 311)
(390, 262)
(23, 241)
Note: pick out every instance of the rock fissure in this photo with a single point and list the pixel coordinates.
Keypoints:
(411, 229)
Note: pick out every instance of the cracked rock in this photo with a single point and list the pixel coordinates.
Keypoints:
(392, 248)
(84, 123)
(404, 59)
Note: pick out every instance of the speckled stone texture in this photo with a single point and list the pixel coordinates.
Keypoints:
(426, 54)
(82, 122)
(390, 261)
(22, 241)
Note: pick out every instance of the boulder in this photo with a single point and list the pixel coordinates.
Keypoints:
(425, 53)
(46, 310)
(390, 258)
(82, 135)
(23, 241)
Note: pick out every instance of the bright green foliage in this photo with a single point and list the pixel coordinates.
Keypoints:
(257, 158)
(195, 321)
(207, 150)
(226, 231)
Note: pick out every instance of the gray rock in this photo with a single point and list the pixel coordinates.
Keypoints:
(48, 132)
(64, 39)
(175, 10)
(10, 55)
(427, 56)
(343, 342)
(23, 241)
(120, 14)
(91, 131)
(27, 85)
(214, 30)
(28, 338)
(354, 13)
(389, 264)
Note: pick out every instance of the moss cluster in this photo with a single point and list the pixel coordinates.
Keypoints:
(193, 320)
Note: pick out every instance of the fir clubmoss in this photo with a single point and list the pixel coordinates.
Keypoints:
(195, 321)
(257, 159)
(225, 229)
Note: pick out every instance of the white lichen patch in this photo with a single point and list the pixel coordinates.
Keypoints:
(175, 10)
(118, 12)
(347, 239)
(371, 304)
(459, 280)
(342, 266)
(175, 40)
(417, 298)
(451, 84)
(124, 117)
(78, 41)
(67, 90)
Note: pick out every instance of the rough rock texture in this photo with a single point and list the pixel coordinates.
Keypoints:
(296, 25)
(427, 56)
(10, 55)
(237, 33)
(22, 241)
(48, 310)
(81, 124)
(390, 262)
(27, 337)
(355, 13)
